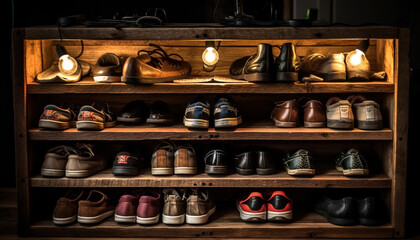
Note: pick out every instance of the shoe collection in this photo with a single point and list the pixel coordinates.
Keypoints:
(356, 110)
(156, 66)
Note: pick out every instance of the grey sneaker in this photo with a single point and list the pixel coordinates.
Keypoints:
(174, 206)
(200, 206)
(366, 112)
(339, 114)
(84, 163)
(299, 163)
(351, 163)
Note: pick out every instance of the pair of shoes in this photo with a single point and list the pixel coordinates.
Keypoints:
(78, 161)
(137, 111)
(353, 66)
(340, 113)
(128, 161)
(142, 206)
(169, 159)
(347, 211)
(154, 66)
(276, 206)
(226, 114)
(262, 66)
(193, 206)
(350, 163)
(250, 162)
(75, 206)
(287, 113)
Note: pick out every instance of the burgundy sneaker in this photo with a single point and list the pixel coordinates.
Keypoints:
(150, 204)
(252, 208)
(279, 207)
(125, 212)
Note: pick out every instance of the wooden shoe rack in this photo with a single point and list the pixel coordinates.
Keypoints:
(34, 51)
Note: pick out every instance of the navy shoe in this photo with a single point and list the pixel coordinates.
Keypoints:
(197, 113)
(226, 114)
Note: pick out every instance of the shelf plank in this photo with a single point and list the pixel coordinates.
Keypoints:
(179, 132)
(224, 223)
(324, 178)
(88, 86)
(203, 31)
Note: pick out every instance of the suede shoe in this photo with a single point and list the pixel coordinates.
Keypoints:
(200, 206)
(174, 208)
(185, 160)
(163, 159)
(55, 161)
(65, 211)
(126, 209)
(150, 204)
(96, 208)
(85, 162)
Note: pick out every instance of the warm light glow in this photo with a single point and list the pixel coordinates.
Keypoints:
(67, 64)
(210, 56)
(356, 58)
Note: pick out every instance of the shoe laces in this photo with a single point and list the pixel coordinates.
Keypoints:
(164, 57)
(84, 148)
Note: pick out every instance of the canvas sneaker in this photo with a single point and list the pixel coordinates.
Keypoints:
(95, 117)
(197, 113)
(299, 163)
(226, 114)
(60, 118)
(352, 163)
(55, 161)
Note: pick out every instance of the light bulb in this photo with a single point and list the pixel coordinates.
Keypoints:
(210, 56)
(67, 64)
(356, 58)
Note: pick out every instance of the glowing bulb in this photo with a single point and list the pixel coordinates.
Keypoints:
(210, 56)
(356, 58)
(67, 64)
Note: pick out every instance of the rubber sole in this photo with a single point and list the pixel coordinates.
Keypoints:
(216, 169)
(256, 77)
(369, 125)
(335, 77)
(285, 124)
(353, 172)
(173, 220)
(136, 80)
(148, 221)
(242, 171)
(314, 124)
(200, 219)
(48, 172)
(196, 123)
(279, 216)
(287, 76)
(337, 221)
(295, 172)
(78, 173)
(185, 170)
(124, 219)
(340, 124)
(95, 219)
(65, 221)
(107, 79)
(162, 171)
(250, 216)
(126, 171)
(52, 124)
(227, 122)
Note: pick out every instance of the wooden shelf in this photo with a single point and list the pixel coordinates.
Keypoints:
(180, 132)
(88, 86)
(324, 178)
(224, 223)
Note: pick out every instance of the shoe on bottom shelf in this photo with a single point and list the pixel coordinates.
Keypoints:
(175, 202)
(150, 204)
(252, 208)
(85, 162)
(200, 206)
(341, 211)
(96, 208)
(65, 211)
(279, 207)
(125, 211)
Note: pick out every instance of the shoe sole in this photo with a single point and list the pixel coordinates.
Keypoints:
(357, 76)
(92, 125)
(242, 171)
(340, 124)
(295, 172)
(256, 77)
(149, 220)
(107, 79)
(216, 169)
(173, 220)
(162, 171)
(369, 125)
(279, 216)
(196, 123)
(251, 217)
(51, 124)
(287, 76)
(65, 221)
(127, 171)
(285, 124)
(129, 120)
(353, 172)
(82, 172)
(95, 219)
(159, 121)
(314, 124)
(200, 219)
(48, 172)
(185, 170)
(335, 77)
(124, 219)
(127, 79)
(227, 122)
(265, 171)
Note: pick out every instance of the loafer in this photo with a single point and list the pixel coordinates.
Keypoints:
(108, 68)
(96, 208)
(197, 113)
(299, 163)
(133, 112)
(285, 114)
(264, 163)
(60, 118)
(55, 161)
(245, 163)
(65, 211)
(226, 113)
(160, 113)
(314, 114)
(216, 162)
(352, 163)
(85, 162)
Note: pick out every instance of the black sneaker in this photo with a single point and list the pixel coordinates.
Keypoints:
(197, 113)
(128, 162)
(299, 163)
(134, 112)
(352, 163)
(94, 117)
(226, 113)
(160, 113)
(59, 118)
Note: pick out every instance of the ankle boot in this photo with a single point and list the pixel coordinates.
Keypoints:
(287, 64)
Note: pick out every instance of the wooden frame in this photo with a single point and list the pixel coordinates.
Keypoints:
(32, 53)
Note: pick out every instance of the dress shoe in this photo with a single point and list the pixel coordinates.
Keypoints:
(245, 163)
(342, 211)
(216, 162)
(287, 64)
(331, 68)
(258, 67)
(154, 66)
(108, 68)
(285, 114)
(314, 114)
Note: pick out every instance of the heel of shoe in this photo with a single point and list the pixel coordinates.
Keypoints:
(357, 76)
(258, 77)
(335, 77)
(340, 124)
(287, 76)
(369, 125)
(314, 124)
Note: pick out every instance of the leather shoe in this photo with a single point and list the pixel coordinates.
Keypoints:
(287, 64)
(216, 162)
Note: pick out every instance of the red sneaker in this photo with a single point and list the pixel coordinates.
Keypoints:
(279, 207)
(126, 208)
(252, 208)
(150, 204)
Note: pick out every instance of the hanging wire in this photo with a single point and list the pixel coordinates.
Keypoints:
(61, 40)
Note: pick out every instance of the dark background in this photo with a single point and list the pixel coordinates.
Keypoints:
(359, 12)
